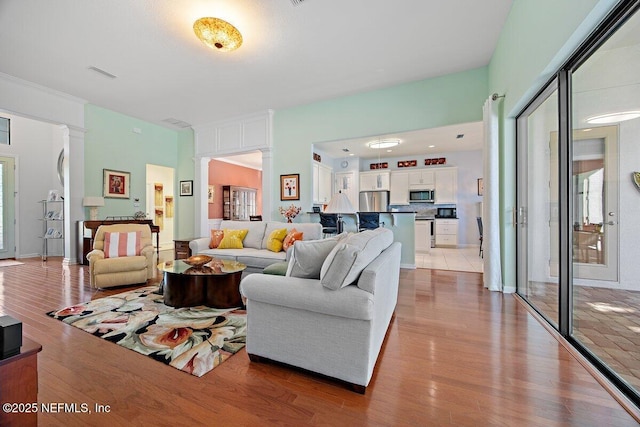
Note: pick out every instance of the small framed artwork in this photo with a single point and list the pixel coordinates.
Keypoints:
(480, 187)
(211, 193)
(116, 184)
(290, 187)
(186, 188)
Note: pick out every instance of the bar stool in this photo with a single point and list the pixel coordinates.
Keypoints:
(368, 220)
(329, 224)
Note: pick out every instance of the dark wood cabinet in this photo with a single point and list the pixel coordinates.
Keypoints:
(181, 248)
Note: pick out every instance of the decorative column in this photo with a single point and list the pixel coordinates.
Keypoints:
(73, 139)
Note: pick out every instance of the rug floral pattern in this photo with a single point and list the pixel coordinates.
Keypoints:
(194, 340)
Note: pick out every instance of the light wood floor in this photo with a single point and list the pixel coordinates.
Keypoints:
(456, 354)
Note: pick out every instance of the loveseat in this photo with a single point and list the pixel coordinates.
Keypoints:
(332, 318)
(254, 253)
(112, 270)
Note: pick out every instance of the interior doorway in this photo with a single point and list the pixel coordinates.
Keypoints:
(7, 210)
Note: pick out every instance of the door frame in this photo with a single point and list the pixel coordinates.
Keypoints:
(11, 202)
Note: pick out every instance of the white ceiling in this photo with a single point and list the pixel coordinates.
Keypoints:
(292, 55)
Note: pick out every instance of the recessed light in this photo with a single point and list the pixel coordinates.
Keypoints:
(432, 146)
(351, 154)
(613, 117)
(384, 143)
(388, 151)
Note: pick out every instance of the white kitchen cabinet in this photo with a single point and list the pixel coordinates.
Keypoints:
(375, 180)
(423, 236)
(399, 188)
(446, 186)
(422, 180)
(322, 180)
(446, 232)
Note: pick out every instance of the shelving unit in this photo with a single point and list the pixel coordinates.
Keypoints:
(52, 224)
(239, 203)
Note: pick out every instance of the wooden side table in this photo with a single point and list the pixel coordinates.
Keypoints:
(19, 384)
(181, 248)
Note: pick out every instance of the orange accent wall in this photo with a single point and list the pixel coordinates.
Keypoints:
(223, 173)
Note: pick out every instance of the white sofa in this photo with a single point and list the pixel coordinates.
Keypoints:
(329, 326)
(255, 254)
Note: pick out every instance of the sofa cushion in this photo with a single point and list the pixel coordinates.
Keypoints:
(216, 238)
(291, 238)
(233, 239)
(349, 257)
(276, 237)
(308, 256)
(255, 231)
(277, 268)
(122, 244)
(259, 258)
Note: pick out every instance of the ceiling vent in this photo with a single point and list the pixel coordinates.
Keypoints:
(103, 72)
(177, 123)
(297, 2)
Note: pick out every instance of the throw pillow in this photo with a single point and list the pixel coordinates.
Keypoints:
(352, 255)
(122, 244)
(308, 256)
(274, 244)
(276, 269)
(292, 236)
(232, 239)
(216, 238)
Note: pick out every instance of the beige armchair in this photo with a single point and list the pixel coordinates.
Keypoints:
(108, 272)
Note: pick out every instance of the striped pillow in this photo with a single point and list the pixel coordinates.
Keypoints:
(122, 244)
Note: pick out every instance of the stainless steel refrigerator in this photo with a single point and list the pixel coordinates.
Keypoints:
(374, 201)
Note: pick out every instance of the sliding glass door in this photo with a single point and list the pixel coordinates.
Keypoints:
(579, 200)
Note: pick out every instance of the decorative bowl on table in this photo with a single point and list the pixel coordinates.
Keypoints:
(198, 260)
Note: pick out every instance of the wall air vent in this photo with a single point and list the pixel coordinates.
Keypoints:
(103, 72)
(297, 2)
(177, 123)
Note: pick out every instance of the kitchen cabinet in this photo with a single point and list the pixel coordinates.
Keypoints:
(423, 236)
(322, 179)
(446, 232)
(375, 180)
(422, 180)
(446, 186)
(399, 188)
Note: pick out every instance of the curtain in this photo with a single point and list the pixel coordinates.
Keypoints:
(491, 204)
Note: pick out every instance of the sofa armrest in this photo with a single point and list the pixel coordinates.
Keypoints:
(307, 294)
(95, 254)
(199, 245)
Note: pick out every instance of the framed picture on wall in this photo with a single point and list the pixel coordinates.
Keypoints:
(211, 193)
(116, 184)
(186, 188)
(290, 187)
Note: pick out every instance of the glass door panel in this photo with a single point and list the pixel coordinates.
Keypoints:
(538, 244)
(605, 151)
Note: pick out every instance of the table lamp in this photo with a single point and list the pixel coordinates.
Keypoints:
(340, 204)
(92, 203)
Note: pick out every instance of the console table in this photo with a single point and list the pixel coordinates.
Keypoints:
(86, 243)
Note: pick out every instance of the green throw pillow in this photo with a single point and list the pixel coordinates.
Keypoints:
(277, 269)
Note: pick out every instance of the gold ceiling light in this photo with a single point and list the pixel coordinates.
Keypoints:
(217, 34)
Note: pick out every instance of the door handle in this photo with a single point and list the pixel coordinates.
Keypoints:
(611, 223)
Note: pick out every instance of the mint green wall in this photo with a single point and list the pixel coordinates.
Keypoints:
(441, 101)
(111, 143)
(537, 39)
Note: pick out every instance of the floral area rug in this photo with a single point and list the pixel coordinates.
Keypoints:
(193, 340)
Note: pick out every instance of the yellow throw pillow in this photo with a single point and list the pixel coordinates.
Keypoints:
(274, 244)
(232, 239)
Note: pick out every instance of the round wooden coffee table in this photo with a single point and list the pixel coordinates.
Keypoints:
(215, 284)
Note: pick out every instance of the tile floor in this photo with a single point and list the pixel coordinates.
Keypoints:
(459, 259)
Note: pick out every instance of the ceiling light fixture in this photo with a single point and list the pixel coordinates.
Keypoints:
(613, 117)
(384, 143)
(217, 34)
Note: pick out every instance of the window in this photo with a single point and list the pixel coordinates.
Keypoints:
(4, 130)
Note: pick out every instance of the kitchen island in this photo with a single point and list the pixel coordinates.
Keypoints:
(401, 223)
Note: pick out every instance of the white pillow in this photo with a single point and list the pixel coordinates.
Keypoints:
(307, 257)
(349, 257)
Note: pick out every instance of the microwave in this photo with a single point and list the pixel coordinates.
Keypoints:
(446, 213)
(421, 196)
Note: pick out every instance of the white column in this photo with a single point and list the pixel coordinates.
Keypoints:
(201, 186)
(267, 184)
(73, 139)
